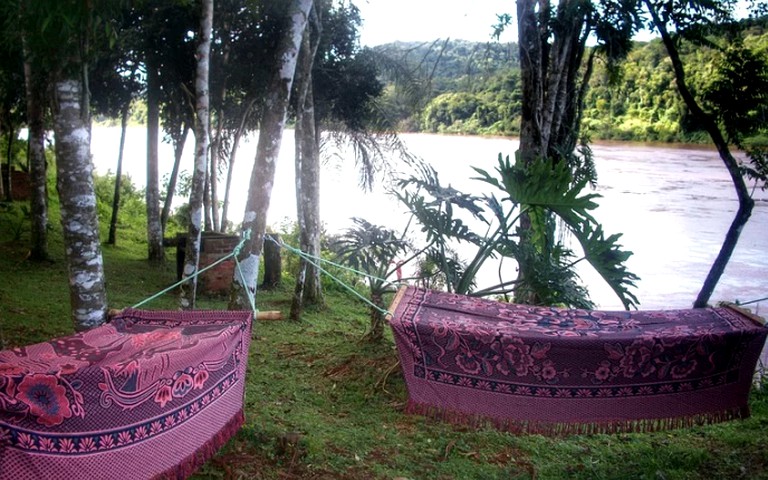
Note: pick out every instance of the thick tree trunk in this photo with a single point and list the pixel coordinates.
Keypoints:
(156, 253)
(270, 137)
(79, 218)
(531, 78)
(178, 150)
(746, 203)
(112, 239)
(37, 162)
(202, 114)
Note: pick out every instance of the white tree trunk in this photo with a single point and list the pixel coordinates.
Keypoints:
(155, 251)
(270, 137)
(79, 219)
(36, 150)
(202, 113)
(308, 286)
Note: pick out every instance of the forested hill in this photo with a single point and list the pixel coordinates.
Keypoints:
(455, 86)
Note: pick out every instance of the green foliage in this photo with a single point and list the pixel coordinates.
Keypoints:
(476, 87)
(132, 207)
(539, 189)
(14, 220)
(372, 250)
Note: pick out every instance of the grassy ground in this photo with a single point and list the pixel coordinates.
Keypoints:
(323, 403)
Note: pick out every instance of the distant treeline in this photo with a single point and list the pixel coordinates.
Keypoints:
(474, 88)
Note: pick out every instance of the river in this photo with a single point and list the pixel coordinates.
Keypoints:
(673, 205)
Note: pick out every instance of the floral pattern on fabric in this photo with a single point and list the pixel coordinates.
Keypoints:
(553, 352)
(107, 382)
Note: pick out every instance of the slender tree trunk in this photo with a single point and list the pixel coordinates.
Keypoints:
(156, 252)
(178, 150)
(270, 137)
(310, 192)
(2, 180)
(202, 123)
(231, 165)
(208, 225)
(38, 168)
(746, 203)
(9, 160)
(307, 166)
(213, 175)
(79, 218)
(112, 240)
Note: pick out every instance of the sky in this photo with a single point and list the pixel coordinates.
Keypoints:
(385, 21)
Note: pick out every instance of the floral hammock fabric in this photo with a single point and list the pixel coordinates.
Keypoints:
(559, 371)
(148, 395)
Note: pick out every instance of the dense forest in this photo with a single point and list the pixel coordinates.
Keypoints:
(474, 88)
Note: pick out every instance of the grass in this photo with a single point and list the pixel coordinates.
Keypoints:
(323, 403)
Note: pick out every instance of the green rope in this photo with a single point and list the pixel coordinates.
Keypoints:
(751, 301)
(312, 260)
(235, 252)
(307, 257)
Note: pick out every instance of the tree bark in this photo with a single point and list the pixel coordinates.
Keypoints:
(268, 149)
(308, 289)
(156, 252)
(8, 159)
(112, 239)
(178, 150)
(531, 75)
(746, 203)
(231, 164)
(79, 218)
(273, 262)
(37, 162)
(202, 123)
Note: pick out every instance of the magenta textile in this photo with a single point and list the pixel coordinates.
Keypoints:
(558, 371)
(151, 394)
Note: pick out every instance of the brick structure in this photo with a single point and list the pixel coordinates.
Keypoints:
(20, 184)
(214, 245)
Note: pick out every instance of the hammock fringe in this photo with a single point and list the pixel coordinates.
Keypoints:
(196, 460)
(562, 429)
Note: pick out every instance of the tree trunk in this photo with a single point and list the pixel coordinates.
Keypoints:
(208, 225)
(231, 165)
(178, 150)
(9, 160)
(531, 75)
(79, 218)
(308, 287)
(746, 203)
(213, 176)
(270, 137)
(273, 262)
(202, 123)
(156, 253)
(37, 162)
(112, 240)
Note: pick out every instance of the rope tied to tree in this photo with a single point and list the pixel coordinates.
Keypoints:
(315, 261)
(246, 236)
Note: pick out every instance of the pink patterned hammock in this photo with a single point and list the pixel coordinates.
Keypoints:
(148, 395)
(559, 371)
